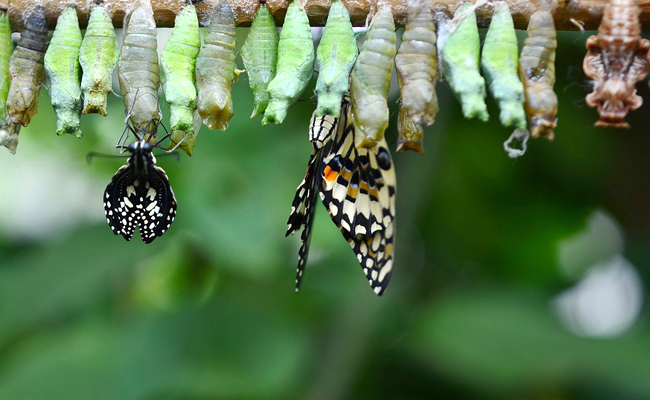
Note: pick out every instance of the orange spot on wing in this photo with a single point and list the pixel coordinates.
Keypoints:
(330, 174)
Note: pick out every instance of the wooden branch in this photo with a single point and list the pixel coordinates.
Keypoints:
(567, 12)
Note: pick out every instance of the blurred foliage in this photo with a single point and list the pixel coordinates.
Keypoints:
(208, 311)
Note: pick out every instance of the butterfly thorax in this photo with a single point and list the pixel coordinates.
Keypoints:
(142, 159)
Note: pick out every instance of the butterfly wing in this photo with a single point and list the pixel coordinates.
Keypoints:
(117, 205)
(358, 186)
(321, 130)
(302, 213)
(158, 205)
(358, 189)
(146, 201)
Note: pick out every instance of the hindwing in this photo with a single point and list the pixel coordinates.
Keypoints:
(145, 201)
(358, 189)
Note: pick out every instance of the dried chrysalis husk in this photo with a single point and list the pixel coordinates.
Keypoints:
(460, 59)
(98, 56)
(26, 68)
(370, 79)
(138, 70)
(537, 72)
(177, 64)
(9, 135)
(617, 59)
(295, 64)
(499, 63)
(336, 54)
(215, 69)
(416, 63)
(260, 56)
(409, 132)
(8, 130)
(64, 73)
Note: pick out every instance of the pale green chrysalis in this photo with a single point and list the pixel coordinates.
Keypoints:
(215, 69)
(260, 56)
(499, 63)
(336, 54)
(177, 63)
(295, 64)
(64, 73)
(8, 130)
(409, 132)
(537, 72)
(460, 60)
(26, 68)
(416, 63)
(98, 56)
(138, 70)
(6, 48)
(370, 79)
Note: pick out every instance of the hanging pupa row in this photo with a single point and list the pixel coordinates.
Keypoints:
(197, 77)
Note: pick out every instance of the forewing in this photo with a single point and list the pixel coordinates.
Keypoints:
(147, 202)
(117, 205)
(302, 213)
(158, 206)
(358, 190)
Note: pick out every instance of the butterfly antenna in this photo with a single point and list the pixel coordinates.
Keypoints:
(89, 156)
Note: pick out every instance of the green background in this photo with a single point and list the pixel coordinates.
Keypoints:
(485, 245)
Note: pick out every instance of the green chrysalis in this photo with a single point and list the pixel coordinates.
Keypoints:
(336, 54)
(499, 63)
(215, 69)
(295, 64)
(64, 73)
(409, 132)
(8, 130)
(260, 56)
(6, 48)
(460, 60)
(138, 69)
(537, 72)
(26, 68)
(177, 63)
(98, 57)
(370, 79)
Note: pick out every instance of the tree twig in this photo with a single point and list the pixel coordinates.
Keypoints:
(585, 11)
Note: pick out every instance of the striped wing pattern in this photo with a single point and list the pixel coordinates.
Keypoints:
(357, 187)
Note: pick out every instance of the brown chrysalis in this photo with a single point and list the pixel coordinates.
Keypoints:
(537, 73)
(26, 68)
(617, 58)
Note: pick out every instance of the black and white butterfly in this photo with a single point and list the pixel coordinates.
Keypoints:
(139, 194)
(357, 187)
